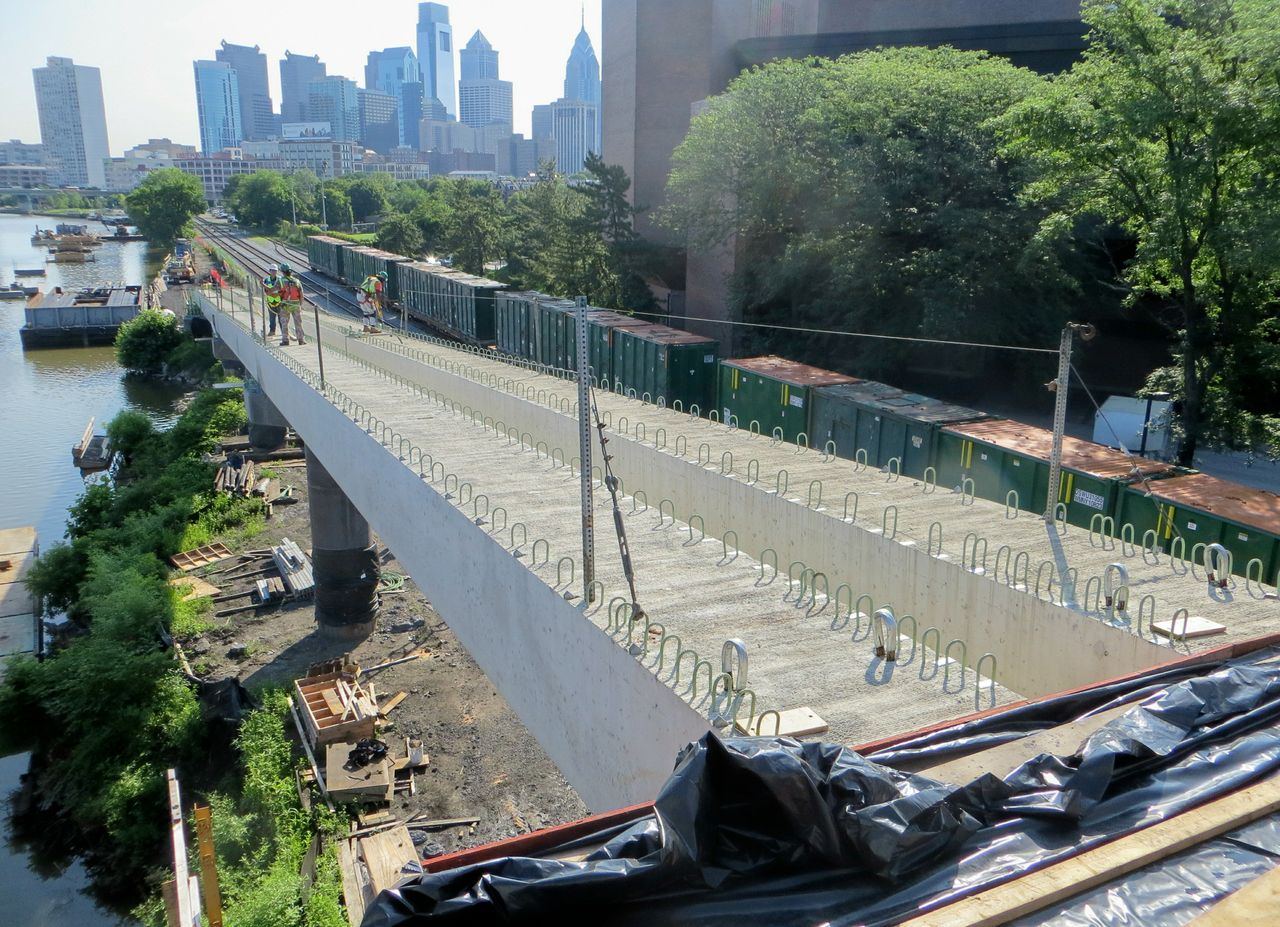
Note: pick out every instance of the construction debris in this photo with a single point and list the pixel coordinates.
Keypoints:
(295, 567)
(193, 559)
(334, 708)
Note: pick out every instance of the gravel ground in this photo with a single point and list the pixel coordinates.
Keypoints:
(483, 763)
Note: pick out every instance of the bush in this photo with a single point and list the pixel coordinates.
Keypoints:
(144, 343)
(193, 358)
(129, 431)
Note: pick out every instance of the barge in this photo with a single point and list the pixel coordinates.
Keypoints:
(79, 319)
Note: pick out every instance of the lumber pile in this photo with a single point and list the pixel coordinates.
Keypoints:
(294, 567)
(372, 863)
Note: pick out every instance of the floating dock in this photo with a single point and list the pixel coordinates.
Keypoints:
(89, 317)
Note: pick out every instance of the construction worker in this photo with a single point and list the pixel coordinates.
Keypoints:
(371, 292)
(290, 305)
(271, 284)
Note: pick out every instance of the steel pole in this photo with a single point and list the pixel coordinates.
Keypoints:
(1061, 386)
(584, 451)
(315, 309)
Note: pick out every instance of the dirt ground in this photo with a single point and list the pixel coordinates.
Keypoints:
(483, 763)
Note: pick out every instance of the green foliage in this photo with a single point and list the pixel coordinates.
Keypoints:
(869, 194)
(129, 431)
(400, 235)
(554, 247)
(164, 203)
(144, 343)
(194, 359)
(103, 757)
(367, 194)
(476, 228)
(261, 199)
(1168, 129)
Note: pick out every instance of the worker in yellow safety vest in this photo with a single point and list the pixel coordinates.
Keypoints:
(372, 293)
(271, 285)
(290, 305)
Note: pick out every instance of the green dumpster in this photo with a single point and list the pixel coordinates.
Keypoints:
(771, 394)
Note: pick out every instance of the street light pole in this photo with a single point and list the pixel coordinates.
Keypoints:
(324, 210)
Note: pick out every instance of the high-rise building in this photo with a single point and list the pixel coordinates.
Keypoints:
(333, 100)
(542, 122)
(388, 71)
(379, 126)
(296, 74)
(575, 127)
(19, 152)
(73, 121)
(435, 55)
(257, 115)
(582, 78)
(478, 59)
(218, 106)
(483, 101)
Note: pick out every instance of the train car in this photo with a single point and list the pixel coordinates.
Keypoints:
(1009, 462)
(327, 255)
(771, 393)
(882, 422)
(1188, 510)
(657, 362)
(512, 322)
(451, 301)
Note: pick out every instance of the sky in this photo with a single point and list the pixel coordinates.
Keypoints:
(144, 49)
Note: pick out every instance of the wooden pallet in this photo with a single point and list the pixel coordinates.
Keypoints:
(190, 560)
(334, 707)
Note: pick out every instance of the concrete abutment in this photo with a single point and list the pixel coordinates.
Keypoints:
(344, 559)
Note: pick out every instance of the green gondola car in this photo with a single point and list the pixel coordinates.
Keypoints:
(771, 394)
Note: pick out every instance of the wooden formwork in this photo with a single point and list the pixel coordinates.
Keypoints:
(335, 708)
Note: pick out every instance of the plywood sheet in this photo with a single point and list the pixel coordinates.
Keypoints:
(1255, 904)
(385, 854)
(795, 722)
(373, 780)
(195, 587)
(1195, 627)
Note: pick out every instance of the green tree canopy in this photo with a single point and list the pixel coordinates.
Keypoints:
(164, 203)
(476, 227)
(553, 246)
(400, 235)
(1169, 129)
(144, 343)
(868, 194)
(261, 199)
(368, 194)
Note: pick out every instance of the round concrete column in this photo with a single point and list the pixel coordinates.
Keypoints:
(344, 559)
(267, 427)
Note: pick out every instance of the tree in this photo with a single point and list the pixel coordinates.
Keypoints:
(164, 203)
(400, 235)
(476, 227)
(261, 199)
(368, 194)
(1168, 129)
(868, 194)
(144, 343)
(554, 247)
(610, 215)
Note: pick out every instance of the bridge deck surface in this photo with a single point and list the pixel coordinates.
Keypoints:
(687, 584)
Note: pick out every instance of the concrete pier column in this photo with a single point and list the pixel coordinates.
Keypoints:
(344, 559)
(222, 352)
(267, 427)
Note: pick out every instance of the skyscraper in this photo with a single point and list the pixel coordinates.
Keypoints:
(543, 126)
(73, 121)
(218, 106)
(483, 100)
(296, 74)
(582, 79)
(479, 60)
(388, 71)
(379, 128)
(333, 99)
(257, 115)
(435, 55)
(575, 125)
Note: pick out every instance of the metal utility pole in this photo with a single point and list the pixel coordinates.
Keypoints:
(1061, 387)
(584, 452)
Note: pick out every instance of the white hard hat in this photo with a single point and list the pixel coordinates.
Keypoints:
(272, 268)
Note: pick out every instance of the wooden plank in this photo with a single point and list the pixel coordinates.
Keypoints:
(386, 854)
(417, 654)
(372, 780)
(178, 839)
(794, 722)
(208, 865)
(1091, 868)
(1252, 906)
(332, 702)
(352, 893)
(1195, 627)
(311, 757)
(392, 702)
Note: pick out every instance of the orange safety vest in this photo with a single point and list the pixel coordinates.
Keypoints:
(290, 291)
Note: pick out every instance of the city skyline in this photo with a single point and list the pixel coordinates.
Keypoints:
(525, 43)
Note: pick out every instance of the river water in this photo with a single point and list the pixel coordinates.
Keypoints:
(48, 397)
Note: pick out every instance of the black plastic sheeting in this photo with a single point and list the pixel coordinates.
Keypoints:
(792, 833)
(1174, 891)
